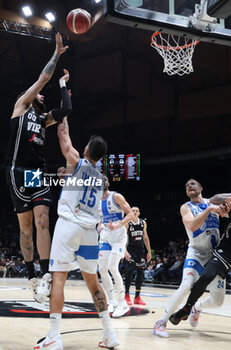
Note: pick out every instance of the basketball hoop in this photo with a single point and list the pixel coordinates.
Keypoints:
(177, 52)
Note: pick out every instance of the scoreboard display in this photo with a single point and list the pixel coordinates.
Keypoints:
(118, 167)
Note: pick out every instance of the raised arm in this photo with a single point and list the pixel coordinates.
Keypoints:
(23, 103)
(123, 204)
(147, 242)
(57, 115)
(68, 151)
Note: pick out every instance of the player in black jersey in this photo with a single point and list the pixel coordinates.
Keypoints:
(135, 255)
(26, 156)
(219, 264)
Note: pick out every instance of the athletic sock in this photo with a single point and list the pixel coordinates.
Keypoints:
(44, 266)
(120, 295)
(137, 293)
(55, 325)
(30, 269)
(106, 321)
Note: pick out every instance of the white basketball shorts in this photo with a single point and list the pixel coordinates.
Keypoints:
(74, 247)
(112, 242)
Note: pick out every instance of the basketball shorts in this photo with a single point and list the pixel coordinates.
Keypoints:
(25, 198)
(194, 264)
(74, 247)
(137, 255)
(223, 260)
(112, 242)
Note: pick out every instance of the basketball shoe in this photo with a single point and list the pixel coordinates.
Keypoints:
(112, 304)
(139, 301)
(33, 284)
(160, 329)
(180, 315)
(109, 341)
(44, 288)
(50, 344)
(127, 298)
(194, 317)
(121, 309)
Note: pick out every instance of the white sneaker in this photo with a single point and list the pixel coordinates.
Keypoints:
(160, 329)
(44, 288)
(108, 341)
(33, 284)
(112, 304)
(50, 344)
(121, 309)
(194, 317)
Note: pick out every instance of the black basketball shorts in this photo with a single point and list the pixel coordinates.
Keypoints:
(223, 264)
(137, 255)
(25, 198)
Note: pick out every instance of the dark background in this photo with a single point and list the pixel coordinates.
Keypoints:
(179, 125)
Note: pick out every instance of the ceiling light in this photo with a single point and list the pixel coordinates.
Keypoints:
(27, 11)
(50, 17)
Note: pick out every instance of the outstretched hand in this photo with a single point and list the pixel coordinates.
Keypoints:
(221, 209)
(60, 49)
(66, 76)
(225, 208)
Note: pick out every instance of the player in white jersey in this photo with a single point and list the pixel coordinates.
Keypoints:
(201, 221)
(75, 240)
(112, 245)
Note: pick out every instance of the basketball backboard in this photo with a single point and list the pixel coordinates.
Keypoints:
(170, 16)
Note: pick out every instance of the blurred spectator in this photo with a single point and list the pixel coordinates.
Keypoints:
(161, 274)
(3, 269)
(148, 273)
(37, 268)
(10, 268)
(23, 269)
(175, 270)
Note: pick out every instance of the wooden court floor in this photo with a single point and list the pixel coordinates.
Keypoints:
(134, 332)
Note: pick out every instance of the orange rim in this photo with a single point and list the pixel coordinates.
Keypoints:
(195, 42)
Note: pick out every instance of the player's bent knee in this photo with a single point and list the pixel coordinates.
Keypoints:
(26, 230)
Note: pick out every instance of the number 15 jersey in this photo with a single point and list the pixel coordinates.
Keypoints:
(80, 196)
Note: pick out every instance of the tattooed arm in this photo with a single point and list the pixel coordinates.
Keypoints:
(24, 102)
(221, 198)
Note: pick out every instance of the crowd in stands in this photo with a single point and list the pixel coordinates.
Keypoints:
(12, 263)
(166, 265)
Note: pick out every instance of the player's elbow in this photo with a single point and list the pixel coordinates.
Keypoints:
(191, 226)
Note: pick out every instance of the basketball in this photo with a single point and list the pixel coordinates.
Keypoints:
(78, 21)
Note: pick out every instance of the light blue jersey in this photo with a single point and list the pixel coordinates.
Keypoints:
(207, 236)
(79, 198)
(109, 210)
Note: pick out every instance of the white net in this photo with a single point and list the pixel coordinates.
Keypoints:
(176, 51)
